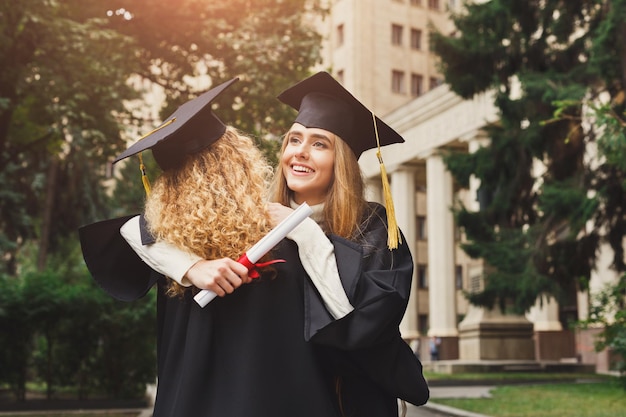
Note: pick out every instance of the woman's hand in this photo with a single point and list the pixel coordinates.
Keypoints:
(278, 212)
(222, 276)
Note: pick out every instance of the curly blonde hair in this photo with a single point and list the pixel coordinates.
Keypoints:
(213, 205)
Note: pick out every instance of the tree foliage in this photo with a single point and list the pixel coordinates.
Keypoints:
(545, 205)
(66, 77)
(60, 330)
(608, 312)
(63, 79)
(72, 73)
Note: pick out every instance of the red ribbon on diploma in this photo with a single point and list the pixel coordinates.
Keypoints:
(252, 268)
(263, 246)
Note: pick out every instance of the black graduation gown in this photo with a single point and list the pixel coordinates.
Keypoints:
(242, 355)
(245, 354)
(365, 347)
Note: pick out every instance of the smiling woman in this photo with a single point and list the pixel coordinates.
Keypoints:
(317, 336)
(307, 162)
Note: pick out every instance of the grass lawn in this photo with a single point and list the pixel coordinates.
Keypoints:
(515, 376)
(560, 399)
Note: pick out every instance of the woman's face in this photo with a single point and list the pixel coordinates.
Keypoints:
(307, 163)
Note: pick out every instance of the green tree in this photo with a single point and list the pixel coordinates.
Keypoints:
(68, 70)
(547, 63)
(15, 337)
(60, 329)
(126, 359)
(62, 82)
(608, 312)
(65, 77)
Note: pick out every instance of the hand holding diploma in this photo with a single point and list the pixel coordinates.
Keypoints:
(263, 246)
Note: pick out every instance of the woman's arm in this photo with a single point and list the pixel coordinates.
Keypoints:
(222, 276)
(160, 256)
(378, 284)
(317, 256)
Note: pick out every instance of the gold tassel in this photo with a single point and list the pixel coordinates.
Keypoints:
(393, 232)
(142, 167)
(144, 176)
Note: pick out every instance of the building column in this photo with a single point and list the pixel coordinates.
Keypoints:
(441, 286)
(545, 315)
(402, 185)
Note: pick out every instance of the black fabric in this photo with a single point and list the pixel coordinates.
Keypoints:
(112, 262)
(262, 351)
(367, 341)
(242, 355)
(322, 102)
(191, 128)
(207, 365)
(146, 237)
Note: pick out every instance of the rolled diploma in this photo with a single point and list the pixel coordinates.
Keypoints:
(264, 245)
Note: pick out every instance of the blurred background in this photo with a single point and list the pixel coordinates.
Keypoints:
(509, 188)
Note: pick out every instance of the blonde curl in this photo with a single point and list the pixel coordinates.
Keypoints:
(213, 205)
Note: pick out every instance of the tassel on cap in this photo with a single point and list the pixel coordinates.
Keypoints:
(393, 231)
(191, 128)
(144, 177)
(322, 102)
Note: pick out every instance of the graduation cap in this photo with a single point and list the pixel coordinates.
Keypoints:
(323, 103)
(190, 129)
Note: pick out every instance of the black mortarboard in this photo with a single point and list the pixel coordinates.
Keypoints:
(191, 128)
(324, 103)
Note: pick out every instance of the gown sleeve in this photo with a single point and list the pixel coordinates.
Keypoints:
(378, 283)
(317, 255)
(161, 256)
(368, 341)
(112, 262)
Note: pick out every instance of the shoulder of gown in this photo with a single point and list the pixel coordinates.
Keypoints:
(378, 283)
(113, 264)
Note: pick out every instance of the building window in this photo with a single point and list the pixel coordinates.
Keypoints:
(416, 39)
(433, 4)
(475, 284)
(422, 233)
(422, 276)
(434, 82)
(397, 82)
(416, 2)
(458, 274)
(340, 35)
(417, 82)
(396, 35)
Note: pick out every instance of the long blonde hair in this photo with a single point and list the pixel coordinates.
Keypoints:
(345, 203)
(213, 205)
